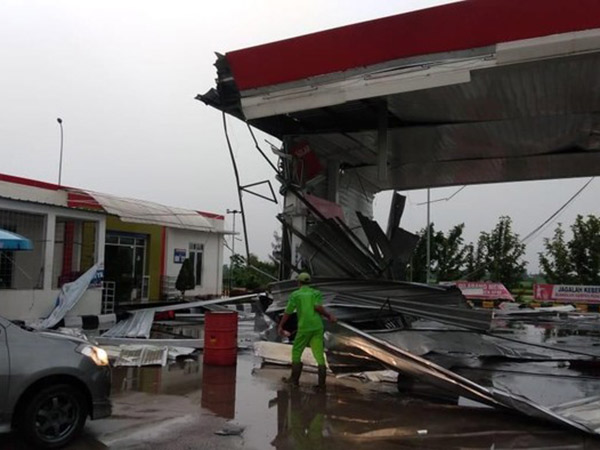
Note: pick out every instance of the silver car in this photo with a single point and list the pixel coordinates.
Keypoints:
(49, 384)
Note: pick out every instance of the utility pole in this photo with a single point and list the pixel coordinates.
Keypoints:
(59, 120)
(234, 212)
(428, 279)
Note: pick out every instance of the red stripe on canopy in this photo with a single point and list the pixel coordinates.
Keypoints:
(457, 26)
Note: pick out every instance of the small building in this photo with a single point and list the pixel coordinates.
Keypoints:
(141, 245)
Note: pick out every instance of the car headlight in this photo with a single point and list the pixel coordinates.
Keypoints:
(98, 355)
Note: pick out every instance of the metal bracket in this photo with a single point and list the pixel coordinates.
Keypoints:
(259, 183)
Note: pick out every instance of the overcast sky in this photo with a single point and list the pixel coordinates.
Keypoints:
(123, 76)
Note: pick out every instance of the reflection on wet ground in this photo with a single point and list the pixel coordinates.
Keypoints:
(350, 414)
(183, 404)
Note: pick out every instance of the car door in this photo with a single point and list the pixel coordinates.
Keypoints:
(4, 370)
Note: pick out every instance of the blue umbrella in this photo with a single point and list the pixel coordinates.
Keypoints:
(13, 241)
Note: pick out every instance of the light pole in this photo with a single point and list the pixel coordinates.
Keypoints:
(59, 120)
(428, 236)
(234, 212)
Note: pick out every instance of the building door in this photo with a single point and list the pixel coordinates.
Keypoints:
(6, 269)
(4, 372)
(196, 255)
(125, 264)
(7, 261)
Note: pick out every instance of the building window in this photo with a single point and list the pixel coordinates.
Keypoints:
(196, 252)
(6, 269)
(74, 249)
(23, 269)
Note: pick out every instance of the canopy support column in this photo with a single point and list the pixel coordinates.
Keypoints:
(382, 141)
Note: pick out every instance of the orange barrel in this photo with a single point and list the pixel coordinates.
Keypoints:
(220, 338)
(218, 390)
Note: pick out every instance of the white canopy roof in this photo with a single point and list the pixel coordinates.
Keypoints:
(140, 211)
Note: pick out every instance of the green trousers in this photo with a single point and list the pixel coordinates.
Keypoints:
(303, 339)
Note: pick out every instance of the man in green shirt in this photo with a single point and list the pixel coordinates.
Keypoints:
(308, 304)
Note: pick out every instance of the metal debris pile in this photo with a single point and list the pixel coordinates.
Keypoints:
(332, 249)
(346, 343)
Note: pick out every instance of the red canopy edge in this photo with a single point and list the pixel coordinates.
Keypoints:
(452, 27)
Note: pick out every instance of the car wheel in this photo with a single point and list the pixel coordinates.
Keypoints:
(54, 416)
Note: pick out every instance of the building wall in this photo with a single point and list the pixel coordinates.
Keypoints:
(154, 249)
(212, 264)
(25, 303)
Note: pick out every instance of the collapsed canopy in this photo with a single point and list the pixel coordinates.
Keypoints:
(471, 92)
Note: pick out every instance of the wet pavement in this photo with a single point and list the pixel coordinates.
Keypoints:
(183, 405)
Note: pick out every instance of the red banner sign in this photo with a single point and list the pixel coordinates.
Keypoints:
(484, 290)
(566, 293)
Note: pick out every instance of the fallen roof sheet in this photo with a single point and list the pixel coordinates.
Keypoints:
(278, 353)
(347, 342)
(183, 342)
(68, 297)
(187, 305)
(136, 326)
(331, 248)
(139, 324)
(440, 303)
(142, 356)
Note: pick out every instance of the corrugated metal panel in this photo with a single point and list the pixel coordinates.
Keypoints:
(142, 356)
(356, 195)
(559, 86)
(346, 343)
(483, 128)
(498, 139)
(140, 211)
(136, 326)
(499, 170)
(442, 304)
(31, 193)
(526, 109)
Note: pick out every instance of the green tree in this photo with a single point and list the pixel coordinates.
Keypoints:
(584, 248)
(450, 254)
(417, 270)
(254, 276)
(185, 279)
(502, 252)
(474, 265)
(556, 263)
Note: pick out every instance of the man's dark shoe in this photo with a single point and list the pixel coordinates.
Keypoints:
(294, 379)
(322, 372)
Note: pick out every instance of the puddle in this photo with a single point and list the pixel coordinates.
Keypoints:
(357, 415)
(199, 399)
(350, 415)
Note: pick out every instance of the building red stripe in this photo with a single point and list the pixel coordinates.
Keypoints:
(30, 182)
(68, 238)
(457, 26)
(83, 200)
(210, 215)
